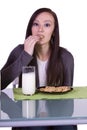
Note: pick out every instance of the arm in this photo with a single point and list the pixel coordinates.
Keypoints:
(13, 67)
(68, 63)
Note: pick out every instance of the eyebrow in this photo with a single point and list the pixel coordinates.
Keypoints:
(43, 21)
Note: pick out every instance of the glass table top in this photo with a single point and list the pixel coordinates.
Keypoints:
(41, 112)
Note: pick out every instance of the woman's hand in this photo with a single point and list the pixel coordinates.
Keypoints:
(29, 44)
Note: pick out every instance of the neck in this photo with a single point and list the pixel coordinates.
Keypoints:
(43, 52)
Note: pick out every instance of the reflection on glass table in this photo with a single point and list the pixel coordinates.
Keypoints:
(41, 112)
(29, 109)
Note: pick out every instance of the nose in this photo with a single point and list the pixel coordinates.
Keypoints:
(40, 28)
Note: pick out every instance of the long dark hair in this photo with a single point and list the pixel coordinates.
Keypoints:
(55, 66)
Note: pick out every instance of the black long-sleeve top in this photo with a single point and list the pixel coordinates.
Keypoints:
(19, 58)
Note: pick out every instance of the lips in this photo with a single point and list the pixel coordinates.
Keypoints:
(41, 36)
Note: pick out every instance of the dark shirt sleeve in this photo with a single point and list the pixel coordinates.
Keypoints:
(13, 67)
(68, 63)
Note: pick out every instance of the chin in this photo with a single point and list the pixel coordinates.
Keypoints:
(40, 43)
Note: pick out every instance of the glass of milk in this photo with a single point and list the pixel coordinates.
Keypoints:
(28, 80)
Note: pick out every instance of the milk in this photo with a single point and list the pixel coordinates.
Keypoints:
(28, 83)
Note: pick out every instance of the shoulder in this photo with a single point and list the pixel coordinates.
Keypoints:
(66, 55)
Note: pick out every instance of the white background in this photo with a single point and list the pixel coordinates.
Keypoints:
(72, 15)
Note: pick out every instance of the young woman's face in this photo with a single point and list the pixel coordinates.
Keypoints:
(43, 26)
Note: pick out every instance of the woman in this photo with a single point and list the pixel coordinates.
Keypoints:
(54, 64)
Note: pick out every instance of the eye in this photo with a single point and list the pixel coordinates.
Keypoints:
(35, 24)
(47, 25)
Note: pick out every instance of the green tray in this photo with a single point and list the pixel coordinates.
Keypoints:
(77, 92)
